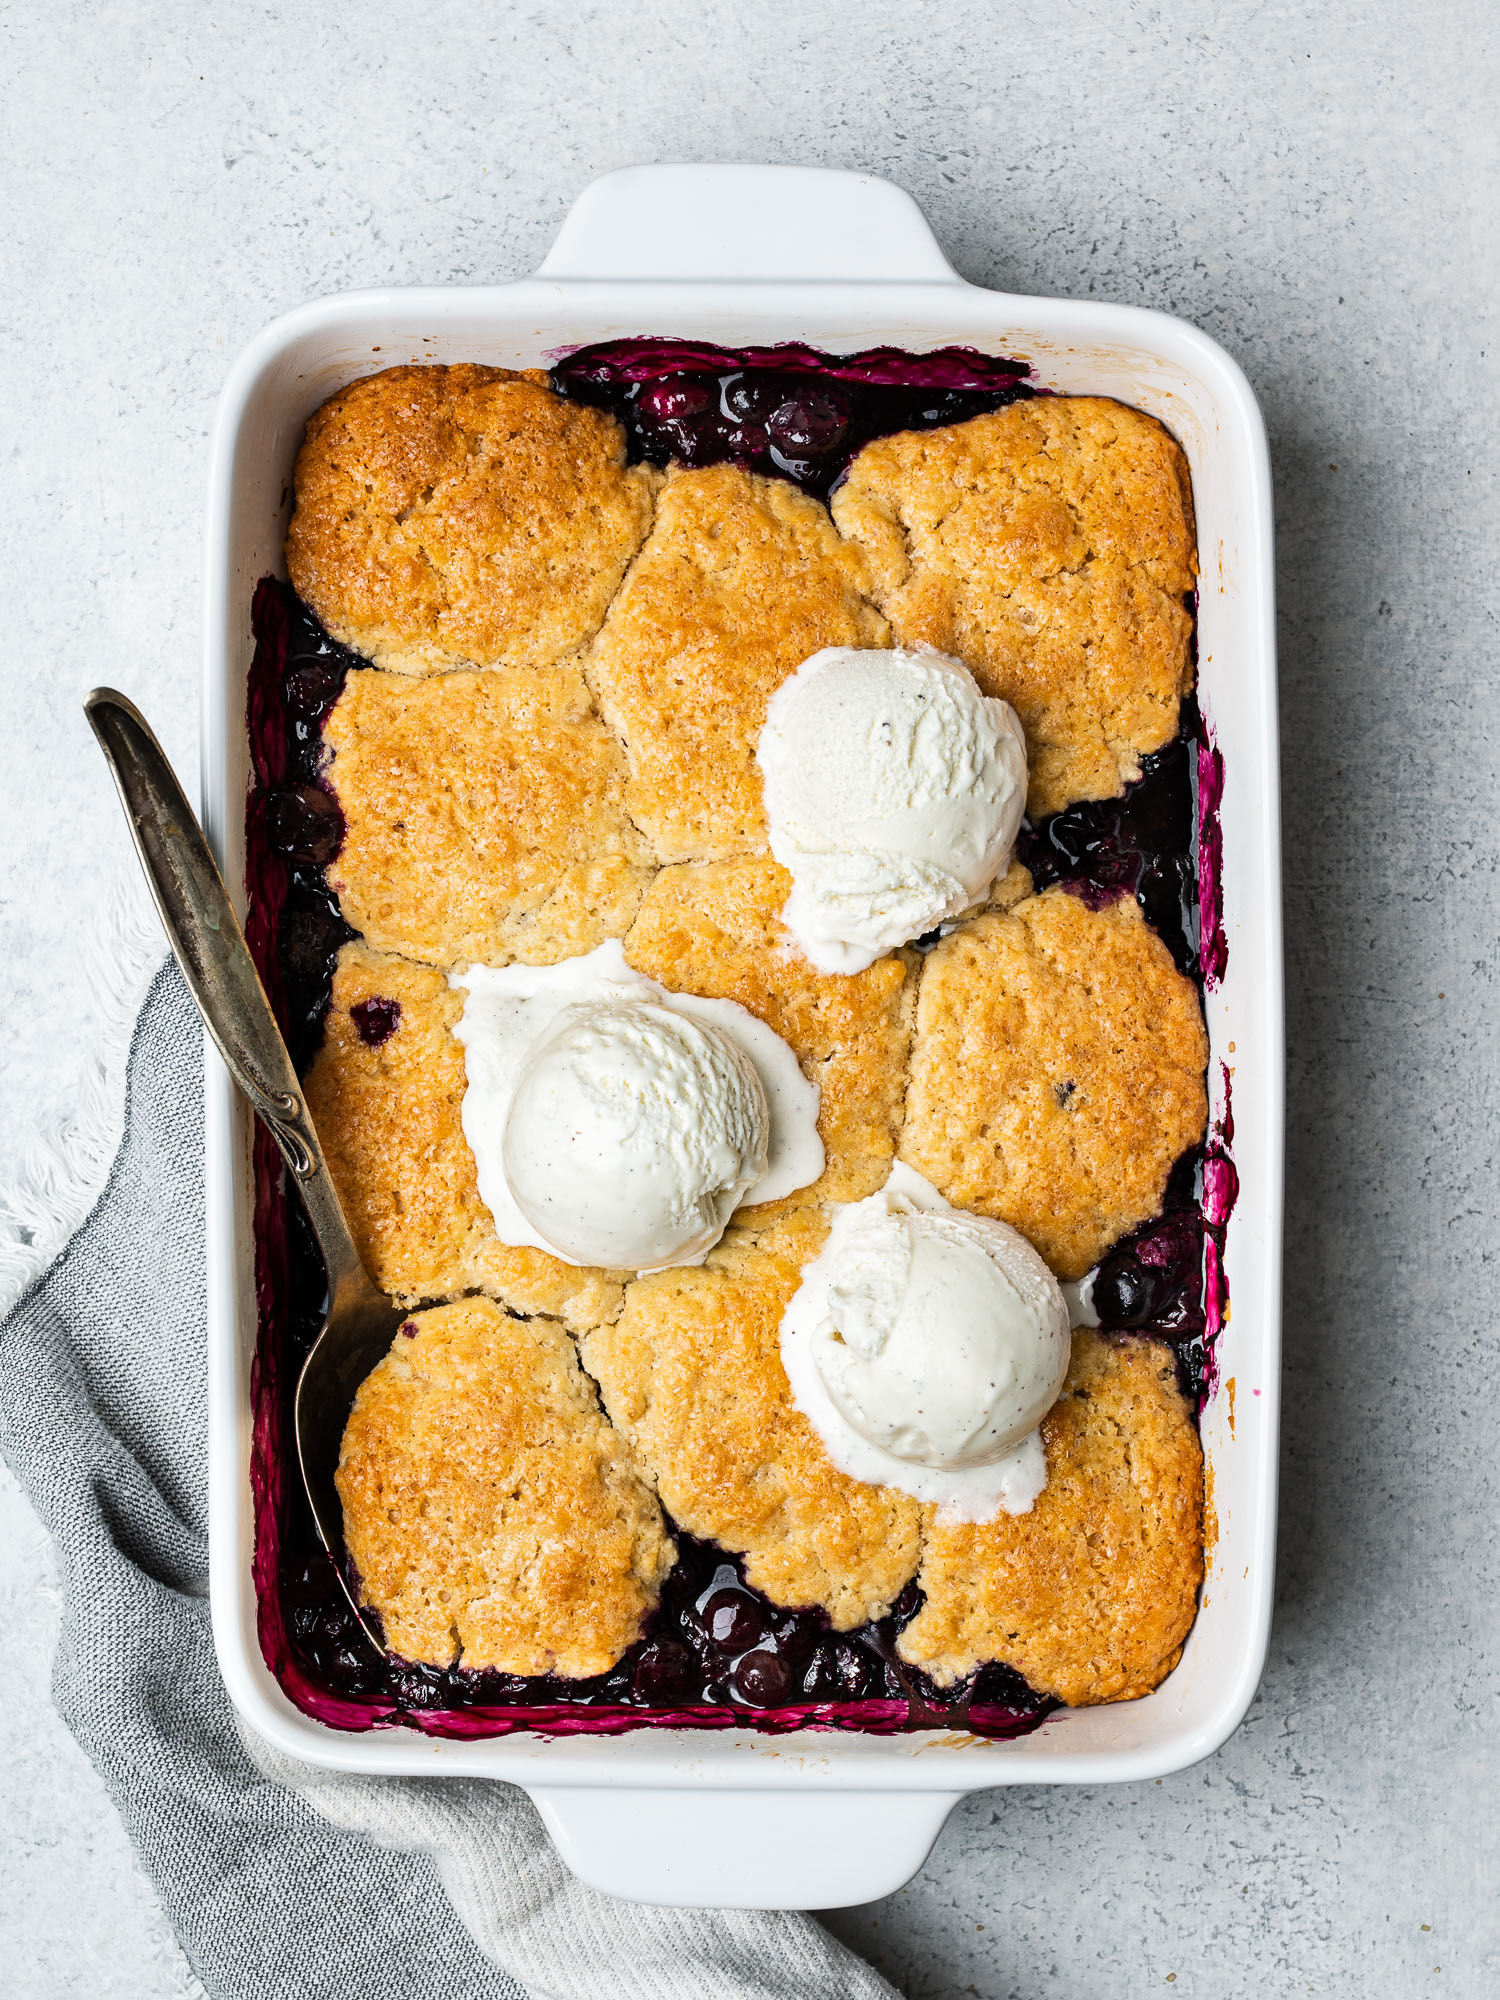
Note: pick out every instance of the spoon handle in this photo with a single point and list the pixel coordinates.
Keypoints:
(205, 935)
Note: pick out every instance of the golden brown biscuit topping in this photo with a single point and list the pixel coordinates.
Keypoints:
(463, 516)
(691, 1373)
(1092, 1593)
(713, 930)
(1056, 1073)
(485, 817)
(491, 1512)
(1049, 545)
(741, 580)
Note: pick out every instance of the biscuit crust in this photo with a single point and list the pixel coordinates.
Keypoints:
(1056, 1073)
(1092, 1593)
(491, 1511)
(713, 930)
(485, 817)
(463, 516)
(741, 580)
(1050, 546)
(390, 1119)
(691, 1373)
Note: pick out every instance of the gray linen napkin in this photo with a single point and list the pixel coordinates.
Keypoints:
(282, 1881)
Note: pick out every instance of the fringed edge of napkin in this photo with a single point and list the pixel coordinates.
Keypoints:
(64, 1165)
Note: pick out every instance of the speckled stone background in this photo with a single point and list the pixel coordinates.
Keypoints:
(1314, 185)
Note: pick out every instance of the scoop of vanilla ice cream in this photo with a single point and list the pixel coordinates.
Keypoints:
(633, 1133)
(925, 1345)
(894, 790)
(945, 1338)
(629, 1070)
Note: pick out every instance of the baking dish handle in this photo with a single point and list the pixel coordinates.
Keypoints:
(747, 223)
(763, 1850)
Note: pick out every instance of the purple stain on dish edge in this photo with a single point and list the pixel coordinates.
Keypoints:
(1221, 1190)
(652, 358)
(1213, 946)
(772, 1670)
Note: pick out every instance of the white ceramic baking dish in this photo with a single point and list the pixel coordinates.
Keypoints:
(759, 254)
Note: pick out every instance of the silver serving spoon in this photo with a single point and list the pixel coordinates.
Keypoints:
(205, 934)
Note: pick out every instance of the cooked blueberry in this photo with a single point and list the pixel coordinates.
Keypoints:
(1000, 1686)
(678, 396)
(310, 939)
(490, 1688)
(810, 423)
(306, 824)
(1154, 1278)
(420, 1687)
(923, 1690)
(375, 1020)
(845, 1671)
(907, 1604)
(682, 438)
(764, 1680)
(734, 1621)
(1123, 1296)
(351, 1661)
(666, 1674)
(312, 687)
(749, 398)
(1183, 1187)
(797, 1634)
(744, 440)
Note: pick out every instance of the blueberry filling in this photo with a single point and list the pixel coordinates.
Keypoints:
(310, 934)
(293, 825)
(1165, 1278)
(1140, 844)
(715, 1652)
(305, 824)
(687, 1667)
(786, 411)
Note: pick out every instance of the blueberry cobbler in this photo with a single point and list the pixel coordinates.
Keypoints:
(732, 850)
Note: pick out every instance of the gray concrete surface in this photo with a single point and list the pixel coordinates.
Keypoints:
(1314, 186)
